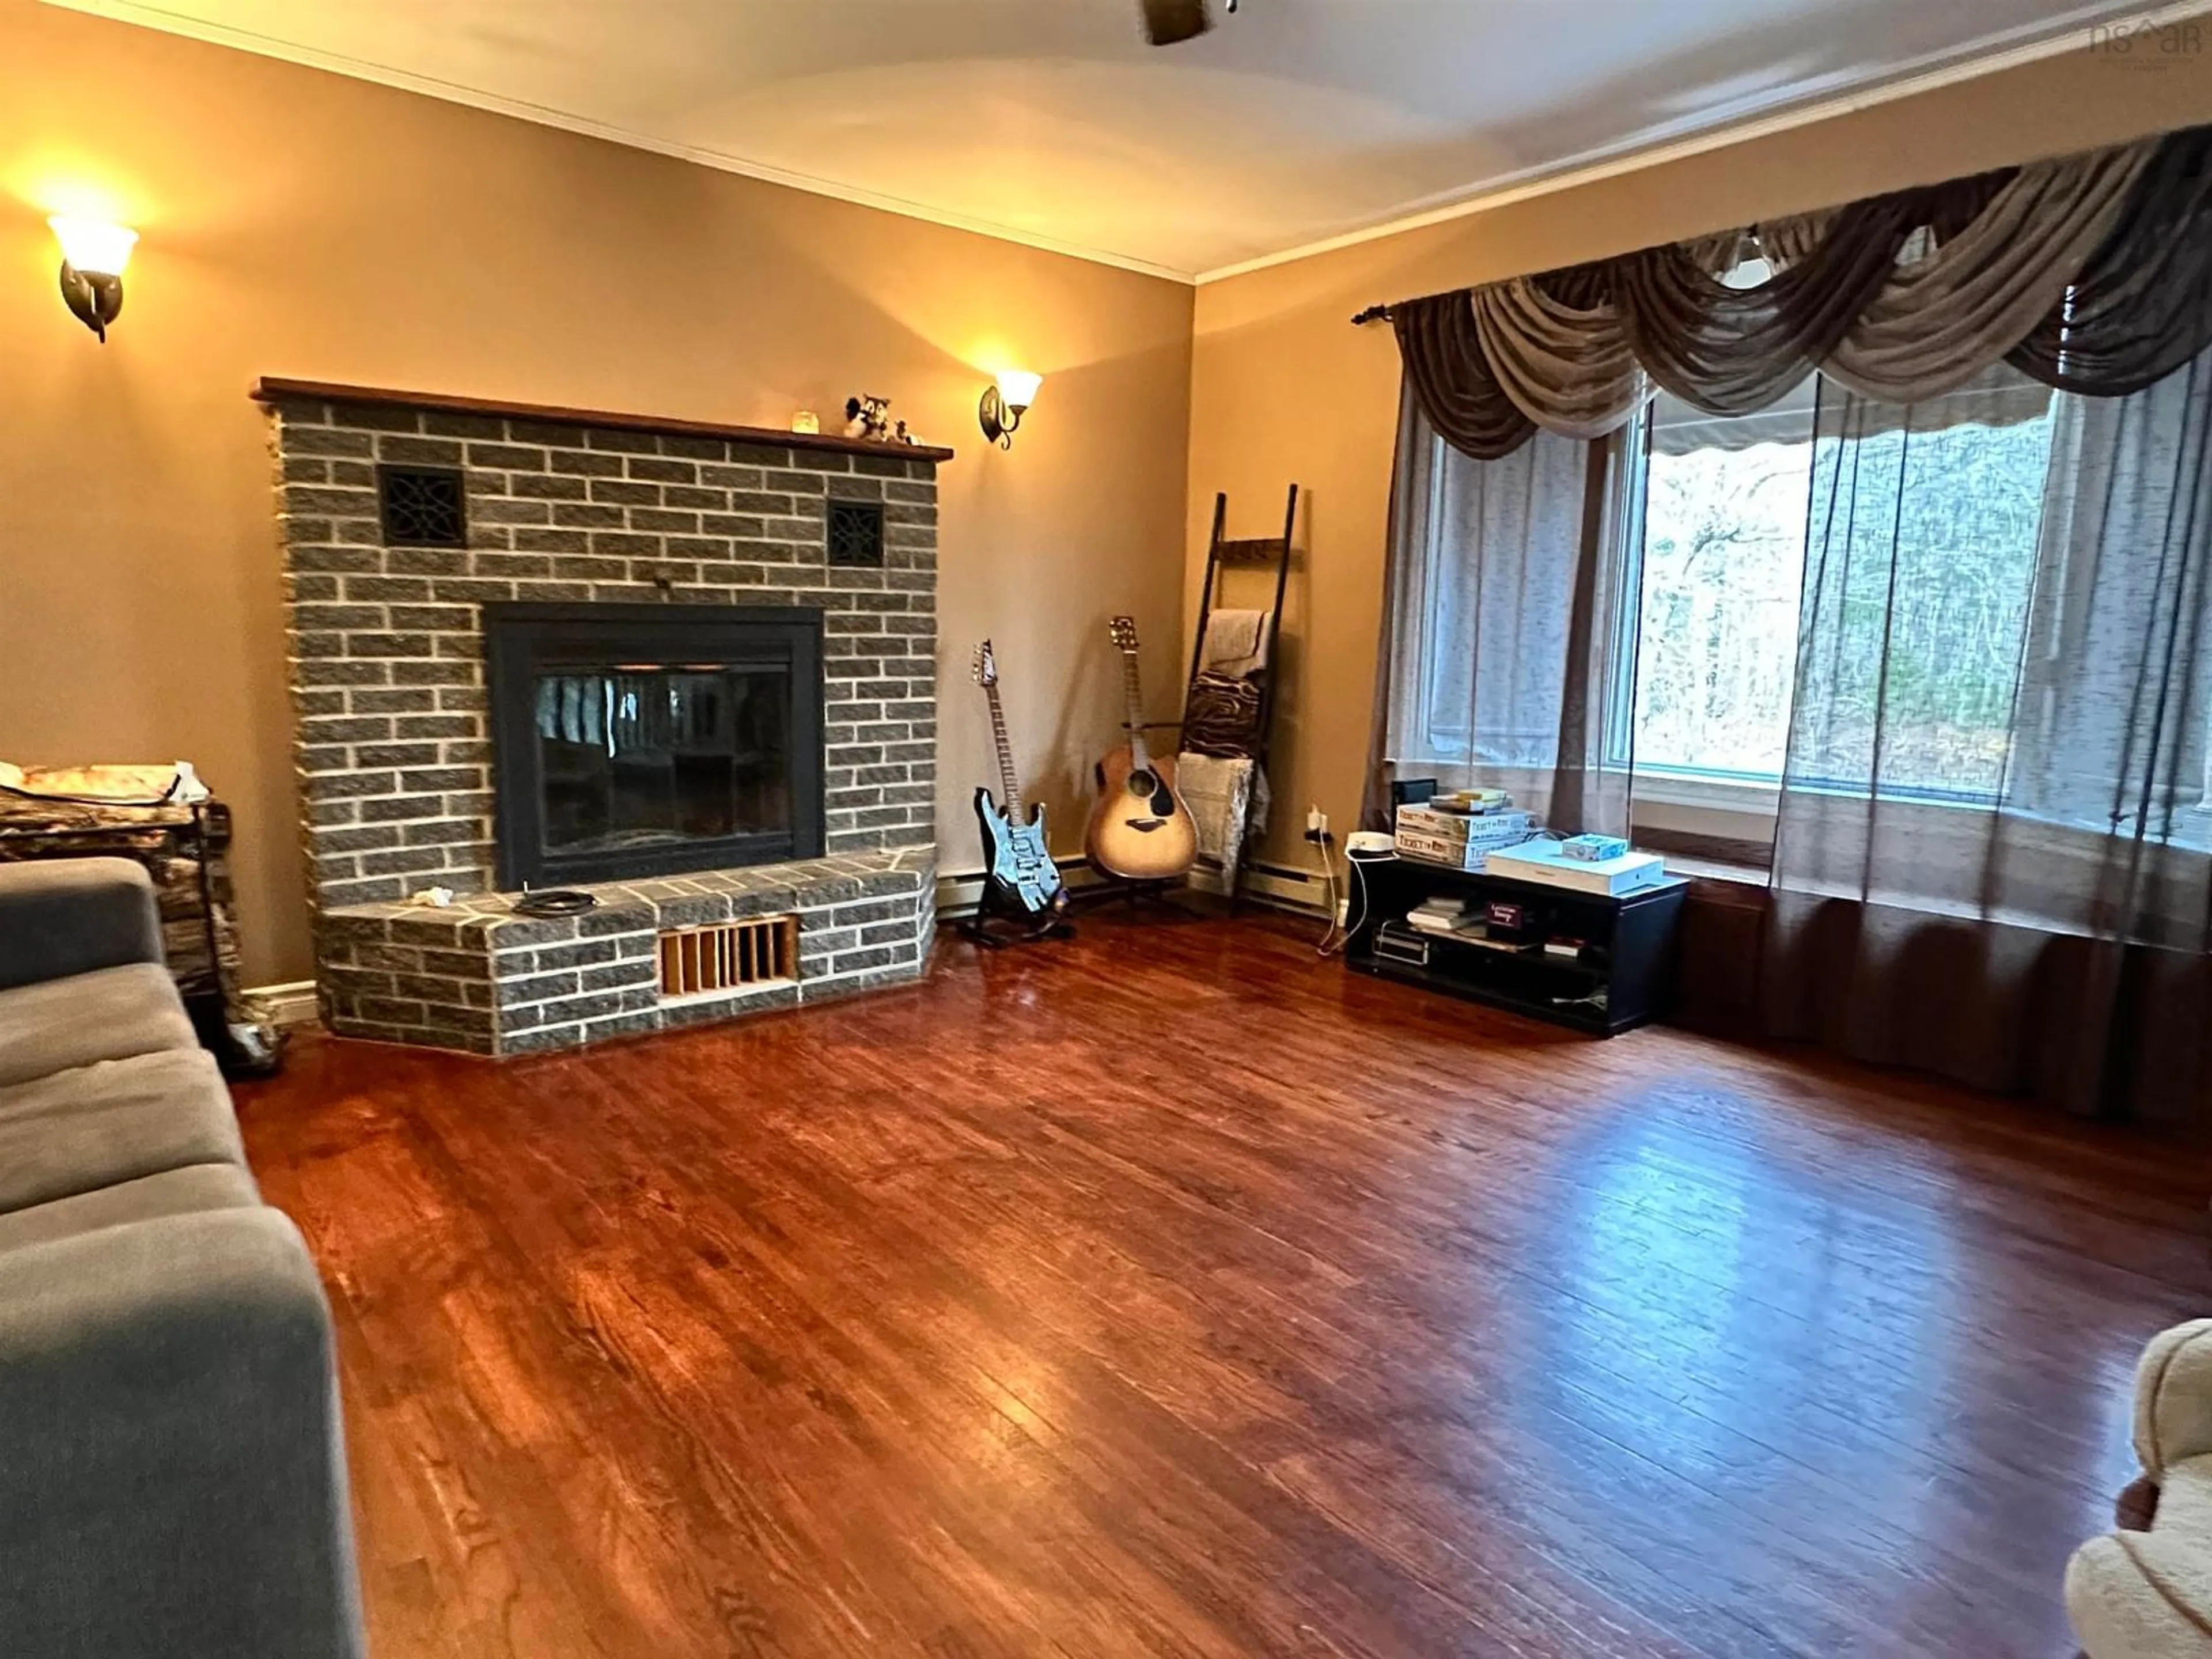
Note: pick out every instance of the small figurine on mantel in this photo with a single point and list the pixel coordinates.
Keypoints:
(868, 417)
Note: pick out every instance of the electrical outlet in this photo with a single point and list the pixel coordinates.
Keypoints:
(1316, 825)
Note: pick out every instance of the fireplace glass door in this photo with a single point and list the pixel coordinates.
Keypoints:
(639, 745)
(650, 756)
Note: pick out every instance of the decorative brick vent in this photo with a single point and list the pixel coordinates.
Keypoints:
(728, 956)
(403, 515)
(421, 507)
(856, 535)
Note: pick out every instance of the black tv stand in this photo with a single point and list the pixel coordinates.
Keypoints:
(1628, 959)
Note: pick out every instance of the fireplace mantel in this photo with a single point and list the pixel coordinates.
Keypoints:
(273, 389)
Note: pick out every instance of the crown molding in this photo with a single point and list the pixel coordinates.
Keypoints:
(155, 17)
(1738, 125)
(1694, 135)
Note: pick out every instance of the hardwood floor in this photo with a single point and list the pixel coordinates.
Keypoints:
(1174, 1292)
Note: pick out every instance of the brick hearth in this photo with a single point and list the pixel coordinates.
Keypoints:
(475, 976)
(394, 750)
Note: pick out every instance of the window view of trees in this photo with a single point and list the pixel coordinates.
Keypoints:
(1724, 560)
(1930, 562)
(1918, 693)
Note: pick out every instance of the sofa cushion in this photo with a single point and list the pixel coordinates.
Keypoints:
(111, 1013)
(113, 1120)
(60, 917)
(188, 1191)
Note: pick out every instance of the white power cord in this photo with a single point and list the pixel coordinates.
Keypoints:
(1335, 935)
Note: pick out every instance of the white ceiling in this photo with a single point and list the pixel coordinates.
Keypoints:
(1294, 122)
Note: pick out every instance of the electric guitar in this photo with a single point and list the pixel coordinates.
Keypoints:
(1139, 830)
(1019, 877)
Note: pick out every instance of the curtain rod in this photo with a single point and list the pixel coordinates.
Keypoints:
(1372, 314)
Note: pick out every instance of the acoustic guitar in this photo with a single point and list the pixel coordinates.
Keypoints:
(1019, 877)
(1139, 830)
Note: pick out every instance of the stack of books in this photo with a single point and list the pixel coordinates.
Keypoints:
(1468, 921)
(1462, 829)
(1445, 915)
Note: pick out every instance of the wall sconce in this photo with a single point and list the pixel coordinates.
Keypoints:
(93, 258)
(1006, 402)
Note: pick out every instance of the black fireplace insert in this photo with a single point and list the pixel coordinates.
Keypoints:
(649, 740)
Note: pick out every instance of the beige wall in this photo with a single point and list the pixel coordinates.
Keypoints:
(1284, 389)
(301, 224)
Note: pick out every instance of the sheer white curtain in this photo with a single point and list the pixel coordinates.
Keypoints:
(2116, 682)
(1990, 854)
(1503, 651)
(2003, 684)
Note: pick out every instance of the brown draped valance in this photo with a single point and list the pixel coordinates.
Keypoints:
(2092, 273)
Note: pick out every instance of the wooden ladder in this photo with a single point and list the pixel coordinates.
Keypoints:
(1223, 555)
(1261, 553)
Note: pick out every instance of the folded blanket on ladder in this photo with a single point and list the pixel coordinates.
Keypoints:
(1236, 642)
(1227, 801)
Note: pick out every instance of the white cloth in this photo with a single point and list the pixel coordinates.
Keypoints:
(1228, 799)
(107, 784)
(1236, 642)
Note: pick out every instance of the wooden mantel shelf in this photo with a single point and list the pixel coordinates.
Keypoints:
(273, 389)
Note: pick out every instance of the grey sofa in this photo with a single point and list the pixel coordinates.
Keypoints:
(172, 1477)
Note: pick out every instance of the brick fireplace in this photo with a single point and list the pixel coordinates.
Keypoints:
(407, 519)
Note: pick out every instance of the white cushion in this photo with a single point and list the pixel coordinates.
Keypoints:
(2148, 1594)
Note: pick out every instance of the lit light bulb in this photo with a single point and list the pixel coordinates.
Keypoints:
(92, 248)
(1017, 388)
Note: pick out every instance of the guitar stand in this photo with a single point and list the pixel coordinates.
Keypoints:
(995, 930)
(1134, 893)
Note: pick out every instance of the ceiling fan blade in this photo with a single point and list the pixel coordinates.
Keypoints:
(1167, 21)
